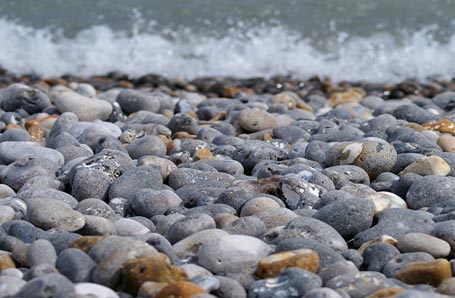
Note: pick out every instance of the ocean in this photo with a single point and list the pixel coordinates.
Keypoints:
(369, 40)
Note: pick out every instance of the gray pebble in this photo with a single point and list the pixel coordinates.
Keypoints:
(149, 202)
(86, 109)
(249, 225)
(414, 242)
(75, 264)
(430, 190)
(96, 225)
(135, 100)
(48, 285)
(40, 252)
(189, 225)
(377, 255)
(182, 176)
(400, 261)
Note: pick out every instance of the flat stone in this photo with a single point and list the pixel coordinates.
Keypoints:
(48, 213)
(86, 109)
(75, 264)
(414, 242)
(256, 119)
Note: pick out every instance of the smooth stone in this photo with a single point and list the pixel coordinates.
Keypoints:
(192, 270)
(87, 289)
(447, 286)
(232, 254)
(19, 96)
(129, 227)
(396, 222)
(274, 264)
(429, 190)
(6, 261)
(257, 205)
(256, 119)
(360, 285)
(10, 285)
(47, 285)
(247, 225)
(40, 252)
(447, 143)
(414, 242)
(75, 264)
(86, 109)
(385, 200)
(343, 174)
(163, 222)
(148, 145)
(356, 217)
(377, 255)
(135, 100)
(60, 239)
(340, 268)
(13, 272)
(353, 256)
(276, 217)
(187, 248)
(15, 134)
(134, 179)
(41, 182)
(6, 191)
(432, 273)
(298, 193)
(188, 226)
(149, 202)
(48, 213)
(429, 165)
(402, 260)
(12, 151)
(208, 283)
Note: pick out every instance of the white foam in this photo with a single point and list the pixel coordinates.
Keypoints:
(263, 51)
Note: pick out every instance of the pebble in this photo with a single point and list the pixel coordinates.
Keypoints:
(432, 272)
(85, 108)
(358, 216)
(225, 254)
(75, 264)
(430, 190)
(256, 119)
(414, 242)
(428, 165)
(48, 213)
(10, 285)
(267, 191)
(273, 264)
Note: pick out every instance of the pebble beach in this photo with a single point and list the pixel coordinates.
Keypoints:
(152, 187)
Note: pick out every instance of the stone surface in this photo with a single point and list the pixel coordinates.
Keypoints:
(272, 265)
(414, 242)
(432, 273)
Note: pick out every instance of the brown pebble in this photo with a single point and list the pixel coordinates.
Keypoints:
(125, 84)
(232, 91)
(181, 289)
(387, 292)
(137, 271)
(86, 243)
(223, 219)
(272, 265)
(203, 153)
(428, 165)
(167, 142)
(36, 133)
(287, 98)
(349, 95)
(432, 272)
(11, 126)
(447, 143)
(442, 125)
(6, 261)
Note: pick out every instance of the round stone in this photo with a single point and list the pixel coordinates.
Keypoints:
(273, 264)
(256, 119)
(429, 165)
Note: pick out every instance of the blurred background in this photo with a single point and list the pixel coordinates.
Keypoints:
(380, 41)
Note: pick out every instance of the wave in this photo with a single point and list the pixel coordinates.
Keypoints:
(262, 51)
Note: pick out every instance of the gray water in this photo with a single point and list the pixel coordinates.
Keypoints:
(382, 40)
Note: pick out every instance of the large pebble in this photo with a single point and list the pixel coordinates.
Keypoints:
(48, 285)
(48, 213)
(89, 289)
(188, 226)
(432, 273)
(256, 119)
(85, 108)
(356, 217)
(134, 100)
(429, 165)
(396, 222)
(13, 151)
(182, 177)
(40, 252)
(430, 190)
(414, 242)
(233, 254)
(20, 96)
(274, 264)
